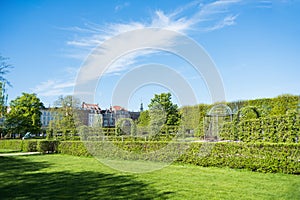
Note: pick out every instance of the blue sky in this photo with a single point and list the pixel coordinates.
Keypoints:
(255, 45)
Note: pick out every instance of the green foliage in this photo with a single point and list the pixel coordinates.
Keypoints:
(47, 146)
(76, 148)
(29, 145)
(193, 118)
(11, 144)
(4, 69)
(162, 107)
(281, 128)
(261, 157)
(144, 119)
(3, 100)
(24, 115)
(3, 108)
(125, 126)
(248, 112)
(44, 146)
(162, 112)
(270, 106)
(66, 117)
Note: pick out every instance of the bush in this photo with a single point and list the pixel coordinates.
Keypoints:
(75, 148)
(47, 146)
(29, 145)
(11, 144)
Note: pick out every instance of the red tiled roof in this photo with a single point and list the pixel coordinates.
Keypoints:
(117, 108)
(88, 106)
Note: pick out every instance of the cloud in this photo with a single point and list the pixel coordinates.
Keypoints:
(264, 4)
(227, 21)
(190, 17)
(57, 87)
(121, 6)
(54, 88)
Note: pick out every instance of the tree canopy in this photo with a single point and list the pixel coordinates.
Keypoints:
(144, 119)
(24, 115)
(66, 115)
(4, 69)
(163, 102)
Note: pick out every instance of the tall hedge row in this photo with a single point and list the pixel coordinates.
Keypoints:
(282, 128)
(193, 116)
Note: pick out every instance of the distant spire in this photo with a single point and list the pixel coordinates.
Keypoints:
(141, 108)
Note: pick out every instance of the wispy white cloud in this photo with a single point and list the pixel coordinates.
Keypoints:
(121, 6)
(193, 16)
(227, 21)
(264, 4)
(57, 87)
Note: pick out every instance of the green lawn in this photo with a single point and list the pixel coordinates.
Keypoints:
(69, 177)
(8, 151)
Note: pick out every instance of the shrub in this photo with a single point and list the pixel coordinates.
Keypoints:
(75, 148)
(47, 146)
(29, 145)
(11, 144)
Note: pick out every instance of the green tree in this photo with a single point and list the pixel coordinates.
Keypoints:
(67, 118)
(144, 119)
(164, 104)
(3, 107)
(24, 115)
(4, 69)
(163, 114)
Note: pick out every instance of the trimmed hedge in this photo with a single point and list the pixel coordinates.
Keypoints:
(29, 145)
(47, 146)
(43, 146)
(11, 144)
(19, 145)
(261, 157)
(75, 148)
(275, 129)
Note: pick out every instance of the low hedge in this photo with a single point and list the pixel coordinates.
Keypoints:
(19, 145)
(261, 157)
(47, 146)
(75, 148)
(43, 146)
(11, 144)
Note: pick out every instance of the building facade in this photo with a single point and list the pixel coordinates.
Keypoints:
(91, 115)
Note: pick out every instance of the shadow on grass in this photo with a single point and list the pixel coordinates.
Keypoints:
(16, 184)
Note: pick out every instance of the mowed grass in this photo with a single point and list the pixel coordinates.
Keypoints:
(8, 151)
(70, 177)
